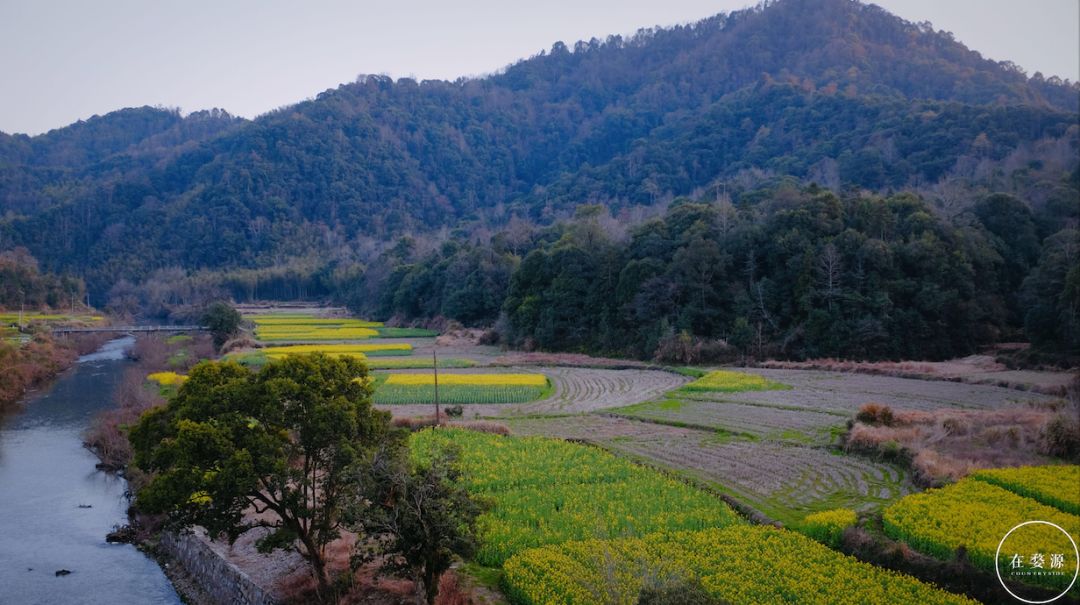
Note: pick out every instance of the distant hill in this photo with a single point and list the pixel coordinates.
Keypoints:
(835, 91)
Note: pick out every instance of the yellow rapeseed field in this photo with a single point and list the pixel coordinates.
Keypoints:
(537, 380)
(547, 491)
(738, 564)
(1057, 486)
(977, 515)
(354, 350)
(167, 379)
(732, 382)
(828, 526)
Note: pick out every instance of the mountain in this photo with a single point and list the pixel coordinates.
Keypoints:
(832, 91)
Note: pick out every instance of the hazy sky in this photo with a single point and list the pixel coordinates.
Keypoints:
(64, 60)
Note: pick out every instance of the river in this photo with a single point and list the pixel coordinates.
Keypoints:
(55, 507)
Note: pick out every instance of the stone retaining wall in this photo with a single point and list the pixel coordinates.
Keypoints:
(222, 581)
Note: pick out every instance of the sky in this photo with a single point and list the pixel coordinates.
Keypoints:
(66, 60)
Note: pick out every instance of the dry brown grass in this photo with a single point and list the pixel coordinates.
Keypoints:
(461, 337)
(151, 352)
(416, 423)
(31, 365)
(367, 584)
(572, 360)
(452, 591)
(946, 445)
(107, 435)
(876, 414)
(240, 343)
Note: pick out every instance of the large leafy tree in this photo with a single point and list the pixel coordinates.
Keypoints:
(1052, 295)
(222, 320)
(236, 450)
(420, 515)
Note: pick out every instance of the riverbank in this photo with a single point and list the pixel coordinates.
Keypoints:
(33, 364)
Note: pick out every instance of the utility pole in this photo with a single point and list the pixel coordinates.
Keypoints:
(22, 308)
(435, 368)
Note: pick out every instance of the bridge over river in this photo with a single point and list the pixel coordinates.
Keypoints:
(130, 329)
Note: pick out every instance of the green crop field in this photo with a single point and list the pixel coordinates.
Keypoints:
(547, 491)
(498, 388)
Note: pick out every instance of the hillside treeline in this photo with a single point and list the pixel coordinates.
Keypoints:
(803, 272)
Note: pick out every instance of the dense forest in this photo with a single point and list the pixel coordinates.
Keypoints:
(801, 178)
(803, 273)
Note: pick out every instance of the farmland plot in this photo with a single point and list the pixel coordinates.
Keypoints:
(976, 516)
(737, 564)
(576, 390)
(784, 481)
(547, 491)
(1057, 486)
(459, 388)
(586, 389)
(845, 393)
(593, 427)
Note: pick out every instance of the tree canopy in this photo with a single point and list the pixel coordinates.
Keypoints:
(278, 443)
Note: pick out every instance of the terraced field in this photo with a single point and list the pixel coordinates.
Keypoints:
(760, 421)
(783, 480)
(575, 390)
(786, 482)
(546, 491)
(593, 427)
(586, 390)
(497, 388)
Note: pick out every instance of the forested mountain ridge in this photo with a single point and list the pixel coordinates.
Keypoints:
(831, 91)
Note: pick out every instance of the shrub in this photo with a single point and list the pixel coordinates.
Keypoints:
(954, 426)
(686, 349)
(1060, 437)
(451, 591)
(107, 434)
(876, 414)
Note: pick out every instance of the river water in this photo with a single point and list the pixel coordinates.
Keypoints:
(55, 507)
